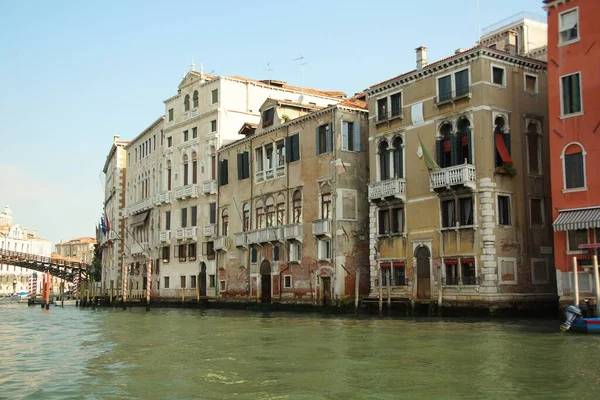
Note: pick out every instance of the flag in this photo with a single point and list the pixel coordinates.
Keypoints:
(106, 220)
(102, 225)
(429, 161)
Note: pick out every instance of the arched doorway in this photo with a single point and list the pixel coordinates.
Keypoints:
(265, 281)
(202, 279)
(423, 256)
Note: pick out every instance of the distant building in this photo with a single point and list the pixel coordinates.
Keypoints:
(80, 249)
(13, 237)
(574, 103)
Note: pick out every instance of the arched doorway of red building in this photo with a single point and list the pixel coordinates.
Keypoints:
(265, 281)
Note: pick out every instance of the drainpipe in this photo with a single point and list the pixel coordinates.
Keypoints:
(333, 200)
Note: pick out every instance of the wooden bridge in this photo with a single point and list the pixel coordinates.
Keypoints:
(57, 267)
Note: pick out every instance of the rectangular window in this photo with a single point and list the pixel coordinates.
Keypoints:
(324, 250)
(222, 285)
(570, 87)
(212, 213)
(466, 211)
(210, 250)
(194, 132)
(185, 136)
(193, 281)
(468, 276)
(503, 210)
(182, 250)
(292, 148)
(211, 281)
(448, 214)
(154, 141)
(461, 82)
(170, 141)
(574, 174)
(194, 216)
(166, 282)
(396, 100)
(253, 254)
(213, 125)
(276, 253)
(324, 139)
(183, 282)
(184, 217)
(268, 117)
(386, 274)
(170, 114)
(508, 270)
(498, 76)
(243, 165)
(445, 88)
(534, 146)
(537, 212)
(168, 220)
(214, 96)
(399, 274)
(451, 269)
(166, 254)
(295, 252)
(192, 251)
(382, 106)
(350, 136)
(287, 281)
(531, 83)
(223, 172)
(577, 237)
(568, 26)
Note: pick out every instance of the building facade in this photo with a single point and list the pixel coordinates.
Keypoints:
(114, 202)
(573, 83)
(13, 237)
(80, 249)
(291, 221)
(458, 181)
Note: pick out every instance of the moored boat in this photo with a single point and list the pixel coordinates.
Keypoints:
(576, 323)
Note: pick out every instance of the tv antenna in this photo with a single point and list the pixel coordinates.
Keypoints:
(269, 69)
(301, 64)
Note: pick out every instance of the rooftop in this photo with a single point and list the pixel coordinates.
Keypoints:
(522, 16)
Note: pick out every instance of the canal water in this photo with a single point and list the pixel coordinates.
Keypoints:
(184, 354)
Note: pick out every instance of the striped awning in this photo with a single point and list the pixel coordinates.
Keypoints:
(139, 219)
(584, 218)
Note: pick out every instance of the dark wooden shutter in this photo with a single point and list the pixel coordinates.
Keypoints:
(288, 149)
(296, 146)
(330, 137)
(439, 149)
(317, 141)
(246, 164)
(470, 145)
(240, 166)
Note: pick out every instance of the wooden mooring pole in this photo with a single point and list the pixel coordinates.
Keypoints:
(148, 281)
(576, 281)
(356, 287)
(111, 292)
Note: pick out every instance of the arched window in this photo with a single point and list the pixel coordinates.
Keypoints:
(185, 169)
(280, 210)
(169, 175)
(186, 102)
(502, 142)
(384, 161)
(195, 98)
(534, 148)
(270, 208)
(260, 215)
(297, 207)
(194, 168)
(326, 202)
(574, 166)
(224, 222)
(246, 216)
(398, 157)
(446, 157)
(464, 141)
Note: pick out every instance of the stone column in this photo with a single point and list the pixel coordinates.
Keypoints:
(488, 268)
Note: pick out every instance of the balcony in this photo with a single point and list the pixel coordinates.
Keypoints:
(138, 249)
(452, 96)
(186, 191)
(252, 237)
(165, 236)
(389, 188)
(165, 197)
(389, 116)
(269, 174)
(221, 243)
(190, 233)
(140, 206)
(209, 229)
(180, 233)
(240, 239)
(209, 187)
(321, 227)
(445, 178)
(293, 232)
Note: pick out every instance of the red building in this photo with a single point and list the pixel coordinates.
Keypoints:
(574, 102)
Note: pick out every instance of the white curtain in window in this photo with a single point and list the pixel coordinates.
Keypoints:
(568, 21)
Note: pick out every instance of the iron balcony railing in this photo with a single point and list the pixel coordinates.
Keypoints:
(459, 92)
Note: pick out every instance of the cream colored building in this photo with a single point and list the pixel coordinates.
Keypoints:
(114, 202)
(81, 249)
(292, 219)
(476, 230)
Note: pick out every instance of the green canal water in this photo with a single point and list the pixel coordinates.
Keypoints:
(185, 354)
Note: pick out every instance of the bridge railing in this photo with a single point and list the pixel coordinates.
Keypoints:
(20, 256)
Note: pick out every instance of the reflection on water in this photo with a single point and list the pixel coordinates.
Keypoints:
(111, 353)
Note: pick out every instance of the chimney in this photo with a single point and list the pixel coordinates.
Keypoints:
(116, 138)
(25, 233)
(510, 46)
(458, 51)
(35, 233)
(421, 57)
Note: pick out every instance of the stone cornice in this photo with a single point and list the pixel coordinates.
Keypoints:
(158, 121)
(554, 4)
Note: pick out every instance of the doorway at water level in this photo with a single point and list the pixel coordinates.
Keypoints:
(265, 281)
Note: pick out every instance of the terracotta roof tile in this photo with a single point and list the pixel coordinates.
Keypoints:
(283, 85)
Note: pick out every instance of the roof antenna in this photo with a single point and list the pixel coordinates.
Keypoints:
(192, 67)
(301, 64)
(201, 69)
(478, 24)
(269, 69)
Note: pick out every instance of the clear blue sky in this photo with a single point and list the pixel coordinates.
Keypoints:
(73, 74)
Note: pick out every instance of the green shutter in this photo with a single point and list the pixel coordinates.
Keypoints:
(240, 166)
(288, 149)
(296, 146)
(330, 137)
(356, 134)
(317, 142)
(439, 149)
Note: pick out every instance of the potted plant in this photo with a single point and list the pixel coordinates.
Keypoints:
(506, 169)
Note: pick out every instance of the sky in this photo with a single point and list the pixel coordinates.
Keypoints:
(73, 74)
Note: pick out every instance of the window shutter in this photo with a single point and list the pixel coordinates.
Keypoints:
(296, 146)
(226, 172)
(454, 143)
(356, 134)
(213, 213)
(439, 148)
(288, 149)
(470, 145)
(345, 134)
(240, 166)
(317, 142)
(330, 137)
(176, 255)
(247, 164)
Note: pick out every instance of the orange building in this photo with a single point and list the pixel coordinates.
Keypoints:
(574, 112)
